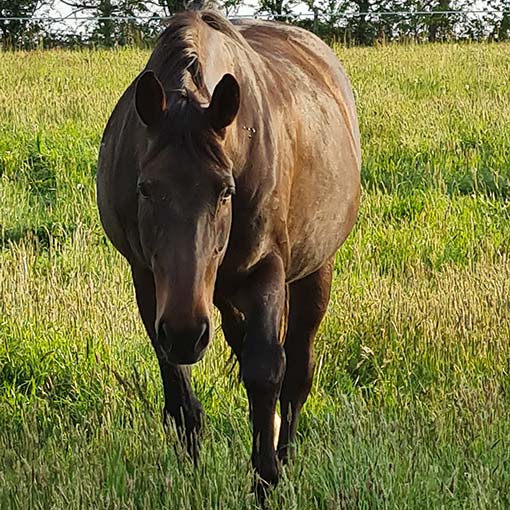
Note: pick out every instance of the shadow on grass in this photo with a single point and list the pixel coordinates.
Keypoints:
(40, 235)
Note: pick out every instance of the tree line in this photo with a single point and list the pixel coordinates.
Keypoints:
(25, 23)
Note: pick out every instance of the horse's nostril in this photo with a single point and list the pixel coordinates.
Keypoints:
(163, 336)
(203, 337)
(184, 346)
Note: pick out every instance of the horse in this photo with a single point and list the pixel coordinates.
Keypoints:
(229, 176)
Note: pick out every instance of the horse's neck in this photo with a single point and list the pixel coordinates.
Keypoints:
(213, 61)
(216, 60)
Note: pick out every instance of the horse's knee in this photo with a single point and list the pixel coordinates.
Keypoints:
(263, 368)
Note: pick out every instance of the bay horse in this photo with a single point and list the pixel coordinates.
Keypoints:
(229, 174)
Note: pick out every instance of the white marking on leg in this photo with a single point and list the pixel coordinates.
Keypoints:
(277, 424)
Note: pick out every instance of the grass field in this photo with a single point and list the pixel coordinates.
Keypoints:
(411, 403)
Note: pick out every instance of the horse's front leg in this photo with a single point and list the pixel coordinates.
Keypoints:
(182, 406)
(180, 402)
(263, 361)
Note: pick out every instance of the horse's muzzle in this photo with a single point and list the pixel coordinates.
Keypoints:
(185, 346)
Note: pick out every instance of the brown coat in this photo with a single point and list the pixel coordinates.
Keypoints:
(229, 172)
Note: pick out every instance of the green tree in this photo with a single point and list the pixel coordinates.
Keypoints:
(135, 27)
(499, 21)
(22, 31)
(278, 9)
(109, 31)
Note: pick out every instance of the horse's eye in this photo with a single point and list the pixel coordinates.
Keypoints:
(226, 194)
(143, 189)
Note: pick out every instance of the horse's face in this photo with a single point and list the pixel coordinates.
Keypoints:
(185, 189)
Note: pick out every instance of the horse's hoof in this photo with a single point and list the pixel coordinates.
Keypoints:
(265, 480)
(188, 421)
(283, 455)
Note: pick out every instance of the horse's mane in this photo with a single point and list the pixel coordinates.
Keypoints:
(217, 21)
(177, 49)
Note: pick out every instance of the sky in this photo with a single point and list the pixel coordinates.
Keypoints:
(60, 9)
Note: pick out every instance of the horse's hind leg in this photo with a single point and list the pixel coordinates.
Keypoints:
(180, 403)
(309, 299)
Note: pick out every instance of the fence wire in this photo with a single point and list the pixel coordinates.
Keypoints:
(299, 15)
(351, 27)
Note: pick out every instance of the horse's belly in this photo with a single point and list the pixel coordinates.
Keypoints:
(318, 241)
(324, 203)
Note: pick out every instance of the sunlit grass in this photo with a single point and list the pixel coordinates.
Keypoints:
(410, 403)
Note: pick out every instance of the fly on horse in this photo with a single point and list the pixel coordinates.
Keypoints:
(229, 175)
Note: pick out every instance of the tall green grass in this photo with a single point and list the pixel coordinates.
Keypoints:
(410, 405)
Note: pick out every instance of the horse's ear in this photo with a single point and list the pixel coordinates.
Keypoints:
(150, 99)
(224, 103)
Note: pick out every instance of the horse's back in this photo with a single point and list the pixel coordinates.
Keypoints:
(283, 44)
(325, 165)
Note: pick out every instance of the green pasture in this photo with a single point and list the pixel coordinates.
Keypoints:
(410, 407)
